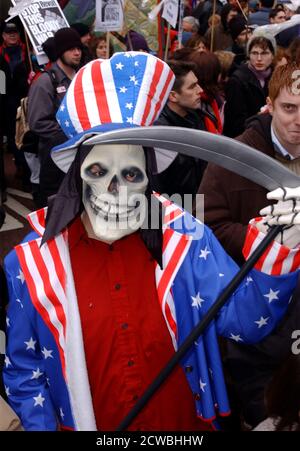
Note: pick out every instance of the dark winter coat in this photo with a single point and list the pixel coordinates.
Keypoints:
(244, 98)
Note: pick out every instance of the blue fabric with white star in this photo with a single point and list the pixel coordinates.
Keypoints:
(41, 400)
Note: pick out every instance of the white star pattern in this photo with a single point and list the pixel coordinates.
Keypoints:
(262, 321)
(290, 299)
(249, 280)
(21, 276)
(202, 385)
(47, 353)
(67, 123)
(7, 391)
(221, 274)
(123, 89)
(30, 344)
(48, 381)
(134, 80)
(236, 338)
(38, 400)
(197, 300)
(129, 106)
(18, 300)
(62, 107)
(272, 295)
(61, 412)
(36, 374)
(7, 361)
(129, 120)
(7, 322)
(204, 253)
(119, 66)
(136, 63)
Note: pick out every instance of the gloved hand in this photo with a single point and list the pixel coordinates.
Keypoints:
(287, 212)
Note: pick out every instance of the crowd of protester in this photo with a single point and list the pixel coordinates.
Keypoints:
(228, 78)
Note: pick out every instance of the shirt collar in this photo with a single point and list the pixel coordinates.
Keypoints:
(279, 147)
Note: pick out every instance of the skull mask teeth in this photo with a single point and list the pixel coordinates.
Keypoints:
(114, 183)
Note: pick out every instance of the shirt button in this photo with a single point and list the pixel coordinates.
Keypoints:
(124, 326)
(117, 286)
(130, 362)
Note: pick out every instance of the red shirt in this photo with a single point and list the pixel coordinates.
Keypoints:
(125, 336)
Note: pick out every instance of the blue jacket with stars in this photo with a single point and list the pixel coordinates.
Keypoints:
(45, 372)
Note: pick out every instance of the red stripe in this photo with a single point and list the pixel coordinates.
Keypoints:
(170, 319)
(36, 302)
(80, 102)
(60, 270)
(281, 256)
(170, 268)
(251, 235)
(159, 66)
(161, 97)
(101, 99)
(49, 291)
(37, 218)
(172, 216)
(168, 233)
(296, 262)
(261, 261)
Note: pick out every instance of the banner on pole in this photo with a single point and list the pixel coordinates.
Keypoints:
(170, 12)
(109, 15)
(41, 19)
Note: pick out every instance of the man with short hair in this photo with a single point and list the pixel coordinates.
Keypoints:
(180, 174)
(44, 99)
(277, 16)
(231, 200)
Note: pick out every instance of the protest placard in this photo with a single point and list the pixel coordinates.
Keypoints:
(170, 11)
(41, 19)
(109, 15)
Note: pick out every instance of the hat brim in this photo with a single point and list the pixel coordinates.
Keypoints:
(64, 154)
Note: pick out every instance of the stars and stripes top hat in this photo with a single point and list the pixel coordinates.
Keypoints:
(127, 90)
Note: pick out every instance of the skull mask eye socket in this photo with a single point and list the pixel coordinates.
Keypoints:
(132, 175)
(95, 170)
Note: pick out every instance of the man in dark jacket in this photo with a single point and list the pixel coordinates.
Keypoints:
(230, 201)
(44, 99)
(179, 174)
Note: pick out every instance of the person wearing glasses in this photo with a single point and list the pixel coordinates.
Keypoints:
(247, 88)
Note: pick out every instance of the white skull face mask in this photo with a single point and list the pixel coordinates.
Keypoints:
(114, 182)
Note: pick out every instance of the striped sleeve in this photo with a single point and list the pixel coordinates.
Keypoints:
(277, 259)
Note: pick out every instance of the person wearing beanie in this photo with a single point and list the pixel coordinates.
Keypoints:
(44, 98)
(49, 48)
(240, 34)
(247, 88)
(136, 41)
(85, 36)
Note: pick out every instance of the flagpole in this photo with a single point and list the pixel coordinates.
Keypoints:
(199, 329)
(167, 42)
(213, 26)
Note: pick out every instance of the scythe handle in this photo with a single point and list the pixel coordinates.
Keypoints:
(199, 329)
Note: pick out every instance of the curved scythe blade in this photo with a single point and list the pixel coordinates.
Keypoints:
(223, 151)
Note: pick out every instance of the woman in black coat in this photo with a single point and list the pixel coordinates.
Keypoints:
(247, 88)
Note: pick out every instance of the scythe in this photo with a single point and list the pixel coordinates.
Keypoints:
(230, 154)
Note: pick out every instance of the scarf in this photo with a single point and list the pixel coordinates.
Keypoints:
(261, 75)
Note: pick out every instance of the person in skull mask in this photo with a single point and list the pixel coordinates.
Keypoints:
(98, 301)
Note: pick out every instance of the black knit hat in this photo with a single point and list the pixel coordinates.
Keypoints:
(236, 25)
(66, 39)
(81, 28)
(49, 48)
